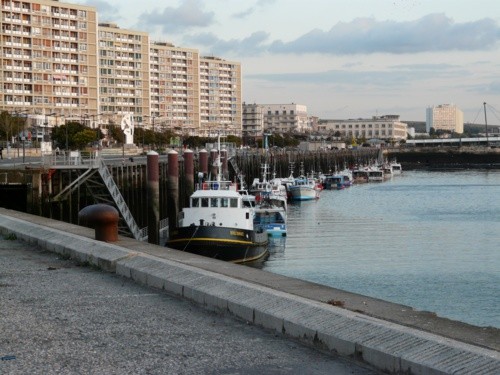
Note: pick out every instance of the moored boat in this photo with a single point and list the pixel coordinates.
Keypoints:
(304, 188)
(219, 224)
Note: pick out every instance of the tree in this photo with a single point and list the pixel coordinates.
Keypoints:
(66, 135)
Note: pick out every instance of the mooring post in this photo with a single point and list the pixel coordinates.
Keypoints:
(173, 189)
(153, 177)
(103, 218)
(188, 175)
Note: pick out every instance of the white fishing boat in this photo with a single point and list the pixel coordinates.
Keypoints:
(304, 188)
(219, 224)
(396, 168)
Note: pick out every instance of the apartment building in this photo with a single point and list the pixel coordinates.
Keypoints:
(48, 60)
(175, 87)
(444, 117)
(253, 120)
(58, 63)
(220, 96)
(285, 118)
(124, 81)
(380, 127)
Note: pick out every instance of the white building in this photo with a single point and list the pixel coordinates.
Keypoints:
(381, 127)
(444, 117)
(277, 118)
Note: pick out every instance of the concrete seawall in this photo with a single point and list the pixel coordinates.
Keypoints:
(390, 337)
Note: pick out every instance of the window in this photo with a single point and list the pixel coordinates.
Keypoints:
(234, 202)
(204, 202)
(224, 202)
(214, 202)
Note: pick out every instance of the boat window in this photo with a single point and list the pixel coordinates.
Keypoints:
(224, 202)
(214, 202)
(204, 202)
(234, 202)
(195, 202)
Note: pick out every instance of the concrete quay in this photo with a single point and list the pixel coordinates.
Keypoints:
(388, 337)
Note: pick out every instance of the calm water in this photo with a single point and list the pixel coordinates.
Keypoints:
(430, 240)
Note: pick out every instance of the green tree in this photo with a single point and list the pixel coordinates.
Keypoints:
(66, 135)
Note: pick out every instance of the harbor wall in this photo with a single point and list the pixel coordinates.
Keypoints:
(446, 158)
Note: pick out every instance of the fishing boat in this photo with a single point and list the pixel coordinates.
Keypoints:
(396, 168)
(270, 216)
(271, 190)
(304, 188)
(218, 224)
(334, 182)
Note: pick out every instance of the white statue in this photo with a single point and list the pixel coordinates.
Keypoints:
(128, 129)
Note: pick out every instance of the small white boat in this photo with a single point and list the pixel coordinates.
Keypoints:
(304, 188)
(396, 168)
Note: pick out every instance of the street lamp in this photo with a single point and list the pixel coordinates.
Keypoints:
(486, 125)
(153, 124)
(45, 126)
(23, 112)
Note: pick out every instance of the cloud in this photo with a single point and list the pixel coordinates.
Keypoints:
(432, 33)
(253, 44)
(188, 15)
(253, 9)
(105, 10)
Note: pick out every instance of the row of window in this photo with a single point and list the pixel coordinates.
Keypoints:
(214, 202)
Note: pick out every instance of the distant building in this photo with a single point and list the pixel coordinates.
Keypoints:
(381, 127)
(444, 117)
(277, 118)
(253, 120)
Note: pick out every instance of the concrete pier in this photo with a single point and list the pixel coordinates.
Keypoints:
(389, 337)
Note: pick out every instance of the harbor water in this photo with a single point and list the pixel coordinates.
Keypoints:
(429, 240)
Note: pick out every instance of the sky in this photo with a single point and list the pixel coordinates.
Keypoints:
(341, 58)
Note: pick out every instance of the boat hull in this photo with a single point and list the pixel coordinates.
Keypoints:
(229, 244)
(303, 193)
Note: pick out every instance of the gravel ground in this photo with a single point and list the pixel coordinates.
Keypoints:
(57, 317)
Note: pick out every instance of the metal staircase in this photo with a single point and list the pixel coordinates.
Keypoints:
(120, 203)
(237, 171)
(100, 183)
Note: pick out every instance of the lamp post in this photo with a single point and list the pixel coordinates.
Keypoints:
(17, 114)
(152, 117)
(486, 125)
(45, 126)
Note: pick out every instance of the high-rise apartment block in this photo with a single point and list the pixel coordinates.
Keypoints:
(175, 87)
(58, 63)
(124, 82)
(220, 98)
(48, 58)
(444, 117)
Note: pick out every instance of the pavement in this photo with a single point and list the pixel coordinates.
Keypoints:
(368, 334)
(60, 317)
